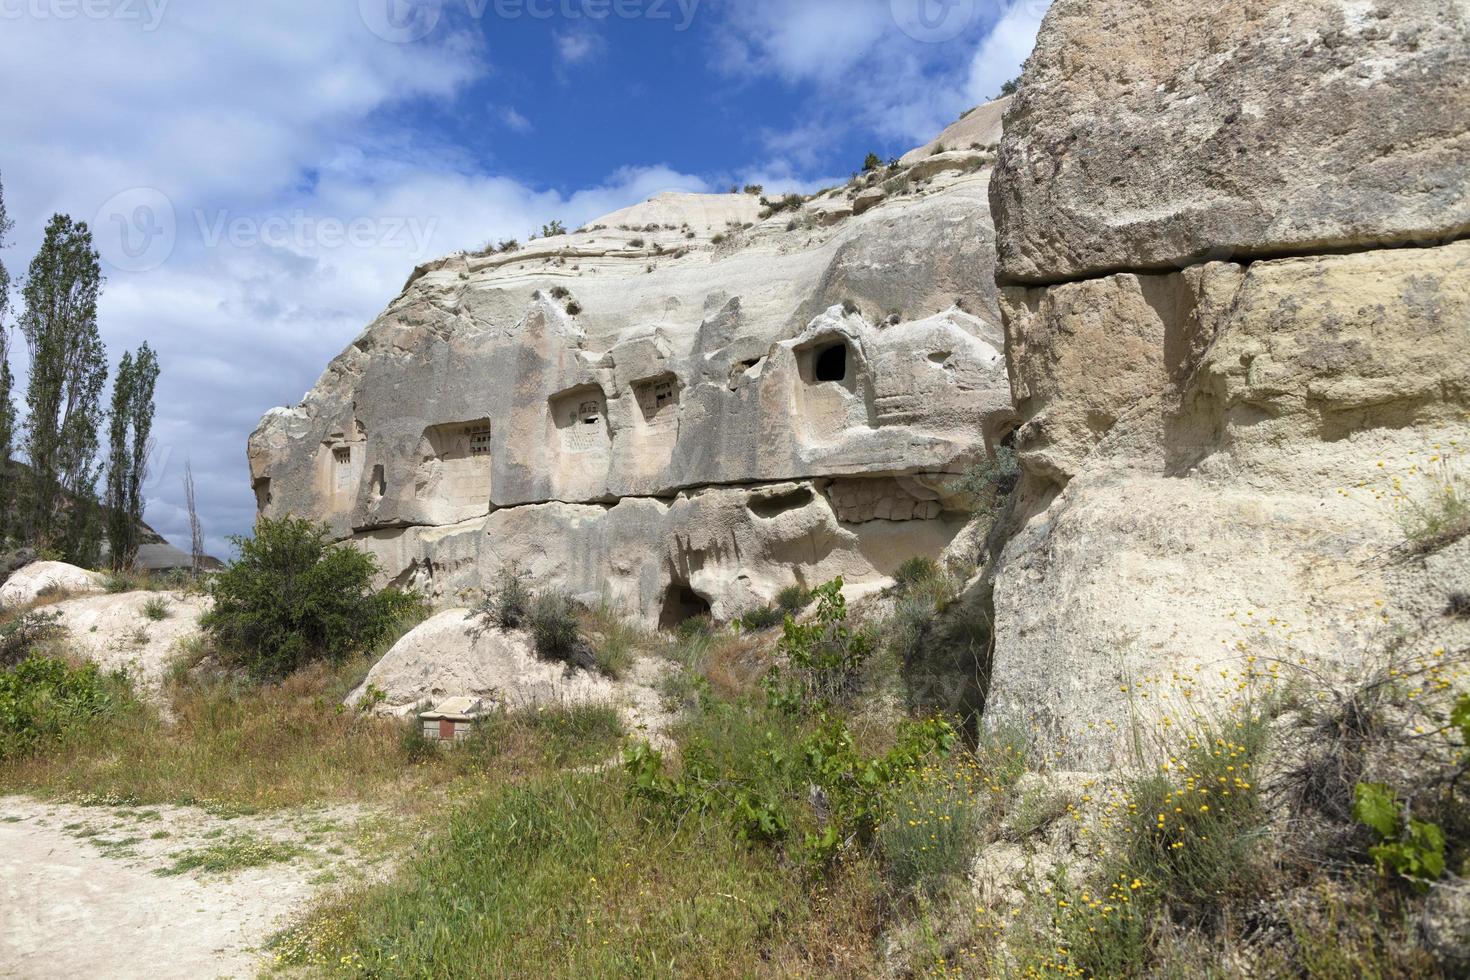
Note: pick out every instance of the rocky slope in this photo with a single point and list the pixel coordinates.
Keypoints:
(1236, 295)
(685, 406)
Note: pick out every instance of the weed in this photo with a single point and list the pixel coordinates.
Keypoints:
(762, 618)
(509, 602)
(556, 630)
(157, 609)
(25, 633)
(824, 657)
(793, 599)
(235, 854)
(932, 833)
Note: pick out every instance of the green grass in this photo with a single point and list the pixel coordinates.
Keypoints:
(157, 609)
(1440, 517)
(235, 854)
(563, 877)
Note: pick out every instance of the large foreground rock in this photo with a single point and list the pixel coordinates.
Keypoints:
(1152, 133)
(1223, 462)
(41, 579)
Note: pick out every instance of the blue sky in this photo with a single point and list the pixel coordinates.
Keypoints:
(263, 176)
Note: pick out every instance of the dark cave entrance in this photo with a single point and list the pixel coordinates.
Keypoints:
(830, 363)
(681, 603)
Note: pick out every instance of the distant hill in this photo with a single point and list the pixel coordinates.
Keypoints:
(155, 553)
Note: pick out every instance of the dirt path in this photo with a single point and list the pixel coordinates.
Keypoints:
(98, 891)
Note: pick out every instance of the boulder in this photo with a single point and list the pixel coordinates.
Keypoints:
(1260, 128)
(44, 579)
(117, 632)
(13, 561)
(456, 654)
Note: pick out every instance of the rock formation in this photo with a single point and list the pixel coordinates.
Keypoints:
(1236, 294)
(684, 407)
(40, 579)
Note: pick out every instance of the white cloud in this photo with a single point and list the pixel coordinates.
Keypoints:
(870, 74)
(576, 46)
(262, 126)
(1005, 49)
(515, 120)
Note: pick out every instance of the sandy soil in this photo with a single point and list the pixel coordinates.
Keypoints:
(81, 894)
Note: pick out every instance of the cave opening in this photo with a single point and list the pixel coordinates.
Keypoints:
(681, 603)
(830, 363)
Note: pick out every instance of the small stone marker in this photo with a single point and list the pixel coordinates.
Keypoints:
(452, 720)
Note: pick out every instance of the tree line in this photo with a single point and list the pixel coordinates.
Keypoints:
(52, 504)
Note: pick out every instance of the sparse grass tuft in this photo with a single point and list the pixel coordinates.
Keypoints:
(157, 609)
(235, 854)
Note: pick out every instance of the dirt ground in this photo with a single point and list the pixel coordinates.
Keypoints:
(83, 893)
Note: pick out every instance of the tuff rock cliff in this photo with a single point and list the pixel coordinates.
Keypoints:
(1236, 293)
(684, 406)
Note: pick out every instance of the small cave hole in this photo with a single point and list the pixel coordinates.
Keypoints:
(681, 603)
(778, 504)
(830, 364)
(380, 482)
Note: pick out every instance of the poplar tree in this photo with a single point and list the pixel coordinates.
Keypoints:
(7, 406)
(68, 370)
(127, 458)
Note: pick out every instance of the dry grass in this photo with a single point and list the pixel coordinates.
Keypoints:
(250, 748)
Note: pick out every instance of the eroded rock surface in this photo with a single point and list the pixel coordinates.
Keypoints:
(1223, 460)
(1152, 134)
(683, 407)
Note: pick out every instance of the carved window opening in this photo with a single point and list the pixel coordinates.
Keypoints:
(480, 440)
(830, 363)
(262, 493)
(455, 468)
(581, 418)
(342, 457)
(658, 399)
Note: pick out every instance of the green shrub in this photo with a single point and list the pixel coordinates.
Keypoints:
(41, 698)
(932, 833)
(556, 630)
(824, 657)
(793, 599)
(759, 773)
(1197, 826)
(992, 479)
(872, 162)
(292, 598)
(915, 571)
(702, 625)
(22, 635)
(1439, 516)
(943, 651)
(1412, 849)
(509, 602)
(157, 609)
(762, 618)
